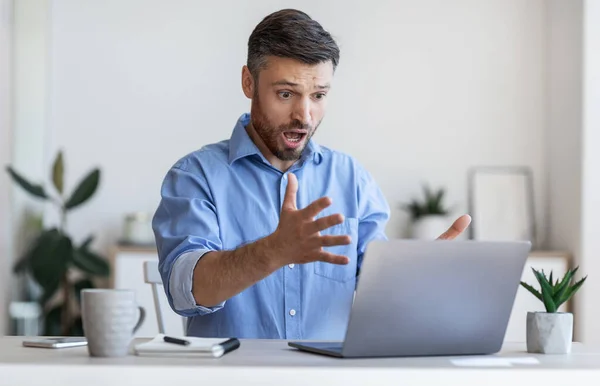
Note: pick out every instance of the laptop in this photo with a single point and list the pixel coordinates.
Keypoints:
(430, 298)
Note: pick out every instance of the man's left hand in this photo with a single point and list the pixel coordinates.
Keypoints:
(457, 228)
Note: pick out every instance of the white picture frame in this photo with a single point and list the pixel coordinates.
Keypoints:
(501, 204)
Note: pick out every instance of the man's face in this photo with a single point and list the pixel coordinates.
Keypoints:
(288, 104)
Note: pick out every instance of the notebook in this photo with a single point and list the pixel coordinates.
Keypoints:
(206, 347)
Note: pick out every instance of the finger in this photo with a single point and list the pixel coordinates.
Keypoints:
(330, 241)
(316, 207)
(332, 258)
(289, 201)
(325, 222)
(457, 228)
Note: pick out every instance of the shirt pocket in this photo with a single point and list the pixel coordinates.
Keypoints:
(341, 273)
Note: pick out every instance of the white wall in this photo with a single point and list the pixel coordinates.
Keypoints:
(6, 22)
(564, 138)
(590, 250)
(425, 89)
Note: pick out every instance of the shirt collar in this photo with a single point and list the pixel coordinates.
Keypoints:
(241, 145)
(313, 150)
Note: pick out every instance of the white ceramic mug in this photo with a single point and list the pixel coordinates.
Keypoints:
(110, 318)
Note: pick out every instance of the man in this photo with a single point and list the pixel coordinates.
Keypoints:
(263, 235)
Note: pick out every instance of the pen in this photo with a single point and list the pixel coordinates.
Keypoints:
(230, 345)
(225, 347)
(170, 339)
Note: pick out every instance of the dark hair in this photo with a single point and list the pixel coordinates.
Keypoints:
(290, 33)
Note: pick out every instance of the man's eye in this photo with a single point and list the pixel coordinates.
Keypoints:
(320, 96)
(285, 94)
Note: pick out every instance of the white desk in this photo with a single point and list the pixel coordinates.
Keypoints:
(273, 362)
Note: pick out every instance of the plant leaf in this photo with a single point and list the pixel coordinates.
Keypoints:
(551, 282)
(546, 292)
(571, 291)
(58, 170)
(438, 202)
(535, 292)
(52, 322)
(427, 191)
(84, 190)
(36, 190)
(86, 243)
(81, 285)
(50, 260)
(90, 262)
(564, 283)
(23, 264)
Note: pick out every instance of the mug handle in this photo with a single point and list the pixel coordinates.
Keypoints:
(140, 320)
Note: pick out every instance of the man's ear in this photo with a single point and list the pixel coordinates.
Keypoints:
(248, 82)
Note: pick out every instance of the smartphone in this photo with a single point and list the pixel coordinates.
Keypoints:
(55, 342)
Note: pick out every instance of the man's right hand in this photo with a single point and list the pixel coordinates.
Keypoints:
(297, 238)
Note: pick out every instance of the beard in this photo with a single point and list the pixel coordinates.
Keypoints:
(272, 135)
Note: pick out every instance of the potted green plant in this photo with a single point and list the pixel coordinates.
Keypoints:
(429, 215)
(59, 266)
(551, 332)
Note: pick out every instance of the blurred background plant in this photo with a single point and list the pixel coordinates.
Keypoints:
(428, 214)
(59, 267)
(432, 204)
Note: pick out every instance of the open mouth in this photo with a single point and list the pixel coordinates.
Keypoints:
(293, 138)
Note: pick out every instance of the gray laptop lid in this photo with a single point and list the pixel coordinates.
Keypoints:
(434, 297)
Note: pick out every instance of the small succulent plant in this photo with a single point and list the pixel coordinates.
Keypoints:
(554, 292)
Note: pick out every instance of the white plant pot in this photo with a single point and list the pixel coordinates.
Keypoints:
(429, 227)
(549, 333)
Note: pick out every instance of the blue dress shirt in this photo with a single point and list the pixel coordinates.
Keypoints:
(227, 194)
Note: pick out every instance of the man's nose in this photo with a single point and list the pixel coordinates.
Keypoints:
(302, 112)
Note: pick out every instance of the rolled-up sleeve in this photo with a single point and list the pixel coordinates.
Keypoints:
(185, 227)
(373, 213)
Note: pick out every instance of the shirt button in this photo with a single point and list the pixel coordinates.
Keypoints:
(291, 265)
(292, 312)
